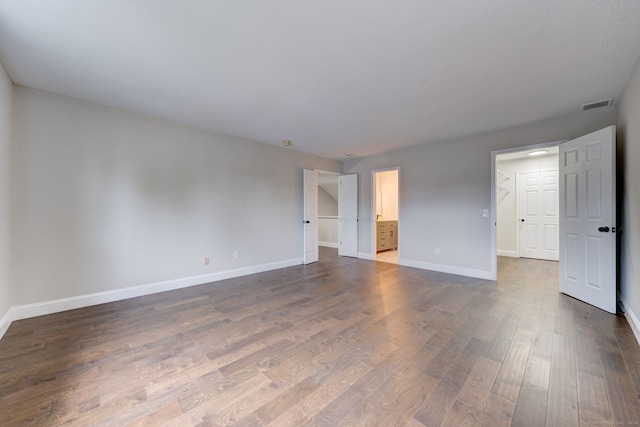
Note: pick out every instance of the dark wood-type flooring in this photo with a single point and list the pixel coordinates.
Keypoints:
(339, 342)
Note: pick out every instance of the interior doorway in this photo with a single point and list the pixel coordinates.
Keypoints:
(527, 201)
(330, 214)
(328, 204)
(386, 230)
(587, 215)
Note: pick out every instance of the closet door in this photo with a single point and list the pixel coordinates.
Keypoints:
(348, 216)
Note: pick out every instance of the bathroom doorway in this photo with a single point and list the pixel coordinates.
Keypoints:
(386, 230)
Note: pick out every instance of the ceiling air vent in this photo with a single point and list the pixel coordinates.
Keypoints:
(597, 104)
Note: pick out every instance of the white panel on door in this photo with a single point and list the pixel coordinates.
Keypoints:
(570, 157)
(572, 263)
(531, 202)
(587, 219)
(570, 195)
(593, 269)
(532, 232)
(594, 152)
(550, 237)
(594, 193)
(550, 203)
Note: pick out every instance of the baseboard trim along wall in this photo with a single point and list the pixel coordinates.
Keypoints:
(512, 254)
(328, 245)
(5, 322)
(480, 274)
(365, 255)
(631, 317)
(80, 301)
(469, 272)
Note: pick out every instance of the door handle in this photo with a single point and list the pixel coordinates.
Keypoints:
(307, 222)
(521, 219)
(603, 229)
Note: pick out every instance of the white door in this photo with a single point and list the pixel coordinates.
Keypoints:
(348, 216)
(538, 219)
(587, 219)
(310, 220)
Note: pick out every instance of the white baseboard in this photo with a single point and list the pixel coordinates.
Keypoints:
(632, 318)
(71, 303)
(512, 254)
(328, 245)
(461, 271)
(5, 322)
(365, 255)
(480, 274)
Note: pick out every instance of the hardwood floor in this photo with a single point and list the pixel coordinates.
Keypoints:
(339, 342)
(390, 256)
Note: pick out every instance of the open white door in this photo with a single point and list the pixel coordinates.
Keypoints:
(587, 219)
(310, 220)
(538, 208)
(348, 216)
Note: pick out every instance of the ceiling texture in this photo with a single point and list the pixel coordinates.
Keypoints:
(332, 76)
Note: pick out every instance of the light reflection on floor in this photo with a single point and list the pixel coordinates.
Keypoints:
(388, 256)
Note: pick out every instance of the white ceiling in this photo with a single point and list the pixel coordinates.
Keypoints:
(333, 76)
(550, 151)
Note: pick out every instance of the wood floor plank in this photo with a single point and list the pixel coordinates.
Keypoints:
(624, 403)
(531, 407)
(445, 357)
(340, 342)
(394, 403)
(497, 412)
(594, 402)
(509, 378)
(462, 415)
(499, 343)
(433, 410)
(338, 409)
(320, 398)
(562, 403)
(277, 406)
(628, 350)
(479, 383)
(158, 417)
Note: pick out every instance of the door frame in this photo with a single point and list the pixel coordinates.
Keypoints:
(493, 229)
(373, 210)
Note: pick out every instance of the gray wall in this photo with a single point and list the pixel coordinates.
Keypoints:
(327, 205)
(629, 192)
(104, 199)
(445, 187)
(6, 89)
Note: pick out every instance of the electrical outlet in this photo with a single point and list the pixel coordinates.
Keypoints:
(236, 254)
(206, 261)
